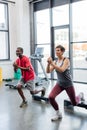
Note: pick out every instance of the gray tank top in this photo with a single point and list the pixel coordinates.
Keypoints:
(64, 79)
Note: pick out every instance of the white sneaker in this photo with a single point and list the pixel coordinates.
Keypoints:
(82, 99)
(57, 116)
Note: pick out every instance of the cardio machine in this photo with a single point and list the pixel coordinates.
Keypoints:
(37, 56)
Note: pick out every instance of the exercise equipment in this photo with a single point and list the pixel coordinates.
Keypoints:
(12, 84)
(39, 98)
(0, 74)
(68, 104)
(7, 80)
(17, 74)
(38, 57)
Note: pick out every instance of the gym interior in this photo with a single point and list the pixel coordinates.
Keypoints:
(38, 26)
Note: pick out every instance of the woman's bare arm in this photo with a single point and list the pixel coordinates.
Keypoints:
(62, 68)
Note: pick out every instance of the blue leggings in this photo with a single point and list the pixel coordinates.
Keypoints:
(57, 90)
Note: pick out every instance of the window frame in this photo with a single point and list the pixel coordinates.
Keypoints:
(6, 30)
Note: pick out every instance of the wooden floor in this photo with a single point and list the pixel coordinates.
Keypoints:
(37, 115)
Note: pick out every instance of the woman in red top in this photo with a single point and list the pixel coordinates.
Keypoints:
(28, 75)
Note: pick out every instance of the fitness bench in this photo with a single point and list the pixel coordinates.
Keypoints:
(68, 104)
(39, 98)
(12, 84)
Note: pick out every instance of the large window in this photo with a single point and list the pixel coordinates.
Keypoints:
(4, 55)
(79, 40)
(64, 22)
(42, 27)
(42, 36)
(61, 15)
(80, 62)
(79, 21)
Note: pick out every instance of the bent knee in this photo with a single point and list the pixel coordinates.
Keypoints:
(32, 92)
(51, 97)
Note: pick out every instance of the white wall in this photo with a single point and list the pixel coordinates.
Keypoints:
(18, 32)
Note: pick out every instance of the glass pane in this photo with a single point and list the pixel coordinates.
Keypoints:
(60, 15)
(61, 37)
(3, 45)
(80, 62)
(42, 26)
(3, 17)
(79, 21)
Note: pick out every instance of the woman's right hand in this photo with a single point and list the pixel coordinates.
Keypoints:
(49, 60)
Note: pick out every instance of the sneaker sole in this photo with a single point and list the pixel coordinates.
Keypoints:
(59, 118)
(24, 105)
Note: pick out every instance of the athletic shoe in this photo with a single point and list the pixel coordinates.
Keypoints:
(23, 104)
(43, 92)
(57, 116)
(82, 99)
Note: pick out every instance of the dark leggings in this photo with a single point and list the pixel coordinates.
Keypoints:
(57, 90)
